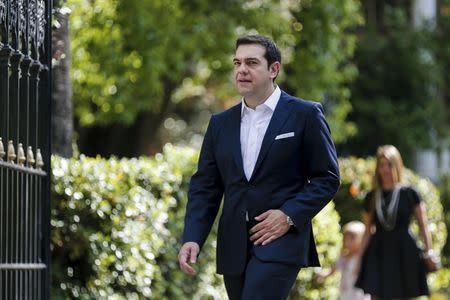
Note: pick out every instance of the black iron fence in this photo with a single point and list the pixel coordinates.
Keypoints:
(25, 76)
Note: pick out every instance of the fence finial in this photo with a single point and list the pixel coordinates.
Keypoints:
(21, 155)
(39, 160)
(11, 152)
(30, 157)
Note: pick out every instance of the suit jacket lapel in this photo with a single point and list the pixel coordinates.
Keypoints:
(235, 127)
(279, 117)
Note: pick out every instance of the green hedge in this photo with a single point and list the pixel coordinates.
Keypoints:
(116, 226)
(444, 188)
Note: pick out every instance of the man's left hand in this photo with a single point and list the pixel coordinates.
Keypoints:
(272, 225)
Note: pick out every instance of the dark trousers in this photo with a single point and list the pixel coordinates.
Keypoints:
(261, 280)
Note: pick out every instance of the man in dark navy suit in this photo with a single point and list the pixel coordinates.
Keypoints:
(272, 159)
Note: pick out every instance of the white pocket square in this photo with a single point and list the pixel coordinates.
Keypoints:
(284, 135)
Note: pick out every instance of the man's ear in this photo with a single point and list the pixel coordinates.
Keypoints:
(274, 69)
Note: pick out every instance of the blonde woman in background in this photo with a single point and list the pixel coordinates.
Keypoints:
(391, 264)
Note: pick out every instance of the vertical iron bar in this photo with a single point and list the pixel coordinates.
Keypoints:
(5, 53)
(41, 273)
(34, 71)
(25, 67)
(33, 123)
(2, 237)
(13, 229)
(14, 136)
(2, 231)
(35, 230)
(7, 231)
(22, 214)
(14, 97)
(18, 201)
(27, 244)
(33, 102)
(24, 136)
(33, 119)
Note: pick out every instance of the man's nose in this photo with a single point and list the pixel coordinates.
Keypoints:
(242, 68)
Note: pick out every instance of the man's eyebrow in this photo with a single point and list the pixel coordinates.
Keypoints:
(246, 59)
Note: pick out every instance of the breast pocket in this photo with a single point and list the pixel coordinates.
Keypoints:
(285, 135)
(284, 152)
(286, 138)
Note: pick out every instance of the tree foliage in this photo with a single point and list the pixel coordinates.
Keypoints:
(136, 61)
(321, 66)
(130, 55)
(442, 46)
(396, 98)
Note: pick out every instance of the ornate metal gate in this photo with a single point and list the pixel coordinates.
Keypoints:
(25, 76)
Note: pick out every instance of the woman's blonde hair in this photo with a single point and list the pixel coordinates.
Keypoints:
(392, 154)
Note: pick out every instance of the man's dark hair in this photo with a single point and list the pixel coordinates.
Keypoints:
(272, 54)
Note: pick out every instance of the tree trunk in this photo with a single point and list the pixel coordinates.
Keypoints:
(62, 121)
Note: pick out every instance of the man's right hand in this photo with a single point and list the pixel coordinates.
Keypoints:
(188, 254)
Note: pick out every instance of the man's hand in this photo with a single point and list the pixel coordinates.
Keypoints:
(188, 253)
(272, 225)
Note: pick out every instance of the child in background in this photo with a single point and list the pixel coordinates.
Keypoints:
(348, 262)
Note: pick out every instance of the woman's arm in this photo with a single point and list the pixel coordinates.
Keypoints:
(421, 217)
(367, 218)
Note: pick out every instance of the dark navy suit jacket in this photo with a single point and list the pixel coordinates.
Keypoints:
(298, 175)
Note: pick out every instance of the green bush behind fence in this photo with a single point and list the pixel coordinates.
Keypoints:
(116, 227)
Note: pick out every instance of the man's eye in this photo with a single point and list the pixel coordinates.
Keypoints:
(236, 63)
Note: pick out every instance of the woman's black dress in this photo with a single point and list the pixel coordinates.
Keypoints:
(391, 266)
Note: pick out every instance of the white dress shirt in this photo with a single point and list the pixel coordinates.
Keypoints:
(254, 123)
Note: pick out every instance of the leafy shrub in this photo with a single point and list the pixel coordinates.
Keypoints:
(329, 243)
(116, 227)
(444, 188)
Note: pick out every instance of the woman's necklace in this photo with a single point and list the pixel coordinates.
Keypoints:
(388, 219)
